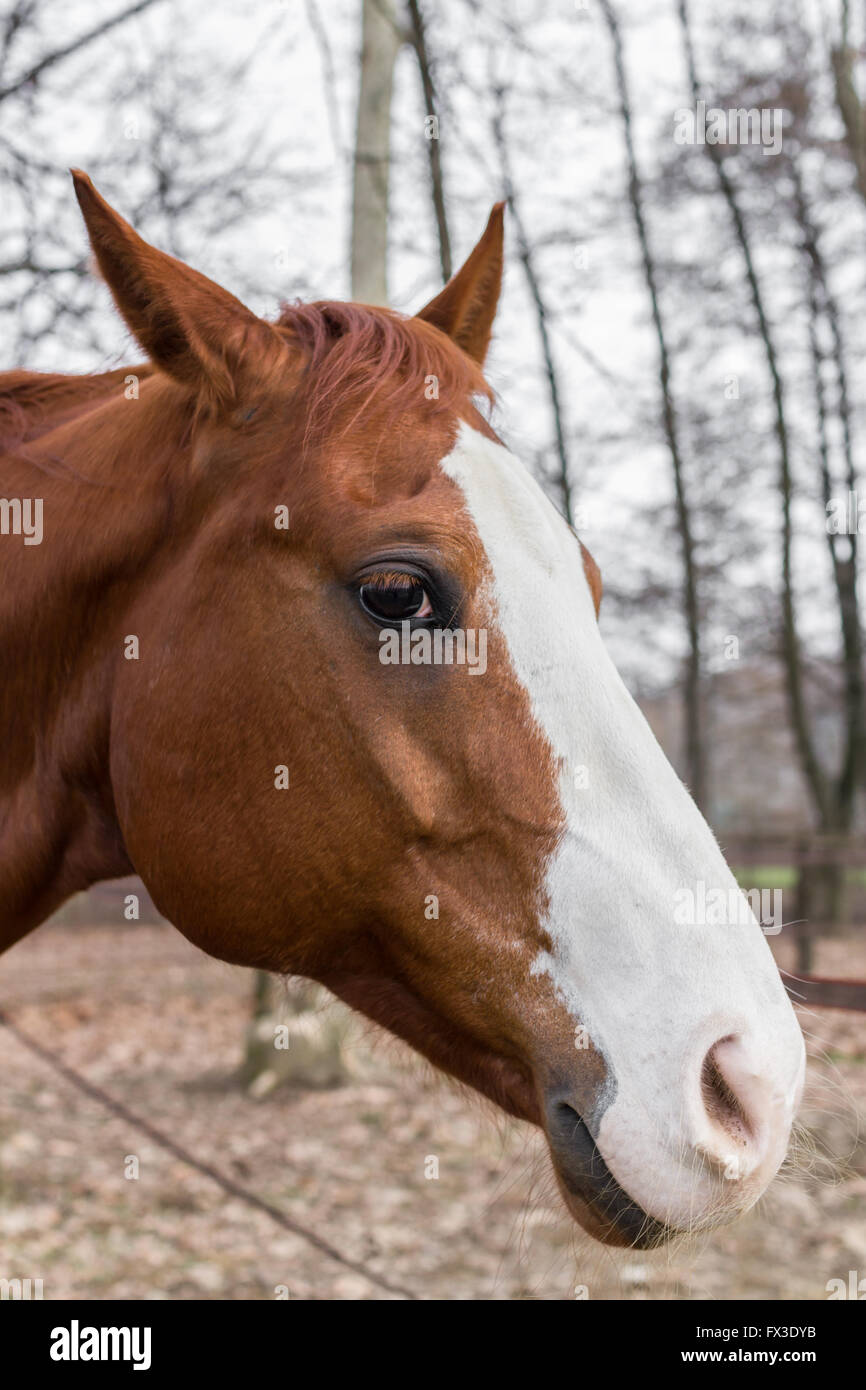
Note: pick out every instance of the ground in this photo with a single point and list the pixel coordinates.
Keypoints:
(161, 1027)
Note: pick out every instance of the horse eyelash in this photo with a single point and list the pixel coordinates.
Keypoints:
(393, 579)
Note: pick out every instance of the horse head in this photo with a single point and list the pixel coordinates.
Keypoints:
(373, 736)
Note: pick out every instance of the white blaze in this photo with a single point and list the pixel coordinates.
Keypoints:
(653, 992)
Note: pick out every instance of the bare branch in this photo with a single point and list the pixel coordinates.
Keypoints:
(524, 253)
(419, 43)
(58, 54)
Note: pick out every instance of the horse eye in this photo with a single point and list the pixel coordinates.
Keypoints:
(395, 597)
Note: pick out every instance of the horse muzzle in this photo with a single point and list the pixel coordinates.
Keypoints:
(629, 1182)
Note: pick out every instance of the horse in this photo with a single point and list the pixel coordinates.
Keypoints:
(486, 859)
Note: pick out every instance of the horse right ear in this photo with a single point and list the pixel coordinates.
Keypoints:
(191, 328)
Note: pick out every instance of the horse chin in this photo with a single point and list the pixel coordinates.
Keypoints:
(591, 1194)
(613, 1219)
(397, 1008)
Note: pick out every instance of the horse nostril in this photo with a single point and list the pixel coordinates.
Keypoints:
(569, 1130)
(725, 1108)
(739, 1113)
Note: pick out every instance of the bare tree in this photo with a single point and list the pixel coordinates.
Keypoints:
(183, 170)
(843, 548)
(843, 56)
(832, 790)
(18, 19)
(695, 758)
(562, 480)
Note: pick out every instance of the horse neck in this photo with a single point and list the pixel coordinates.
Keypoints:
(103, 478)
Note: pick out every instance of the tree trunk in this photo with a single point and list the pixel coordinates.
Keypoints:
(842, 61)
(381, 39)
(298, 1039)
(315, 1026)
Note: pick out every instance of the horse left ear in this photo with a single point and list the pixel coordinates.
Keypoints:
(466, 308)
(191, 328)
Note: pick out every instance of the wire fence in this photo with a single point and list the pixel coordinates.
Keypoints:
(228, 1185)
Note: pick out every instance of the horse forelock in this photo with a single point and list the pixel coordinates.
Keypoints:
(357, 355)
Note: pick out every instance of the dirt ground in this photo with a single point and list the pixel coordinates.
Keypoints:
(159, 1025)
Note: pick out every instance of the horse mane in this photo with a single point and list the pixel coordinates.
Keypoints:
(33, 403)
(358, 354)
(355, 355)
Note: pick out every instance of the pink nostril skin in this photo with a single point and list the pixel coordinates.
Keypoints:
(744, 1116)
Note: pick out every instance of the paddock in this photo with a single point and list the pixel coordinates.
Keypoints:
(159, 1026)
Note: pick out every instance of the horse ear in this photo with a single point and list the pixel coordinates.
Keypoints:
(465, 309)
(190, 327)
